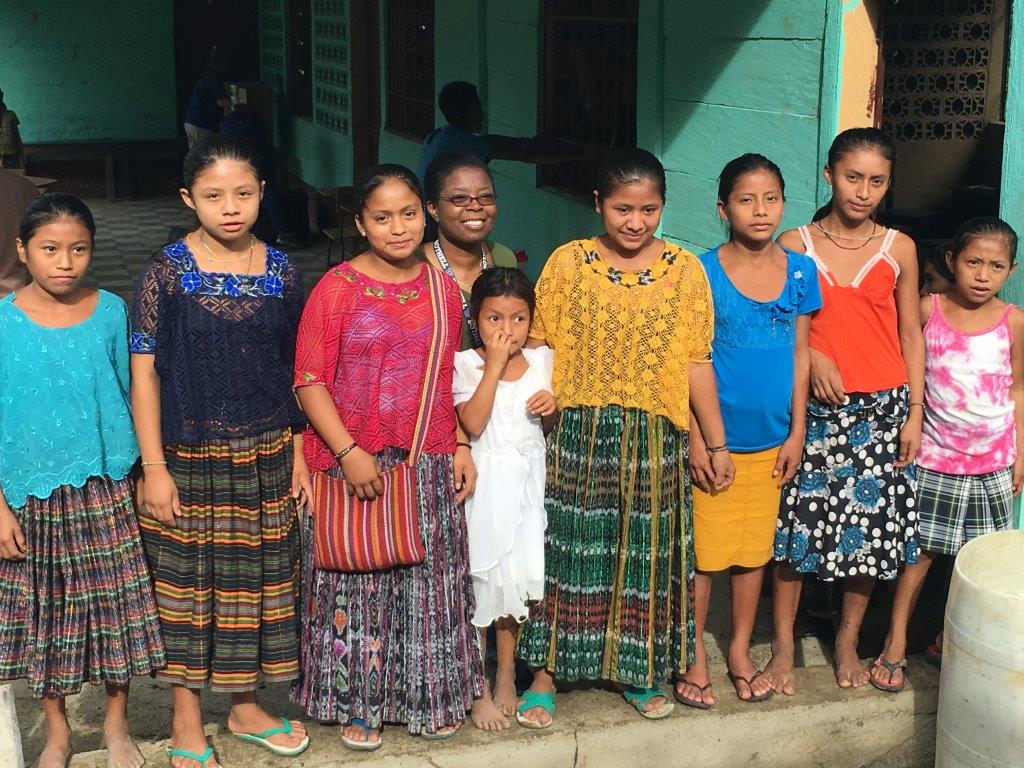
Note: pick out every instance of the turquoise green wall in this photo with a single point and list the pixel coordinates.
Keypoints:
(89, 69)
(1012, 200)
(316, 149)
(713, 81)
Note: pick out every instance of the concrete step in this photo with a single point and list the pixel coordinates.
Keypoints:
(821, 725)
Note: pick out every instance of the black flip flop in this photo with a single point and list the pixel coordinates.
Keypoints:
(750, 687)
(690, 702)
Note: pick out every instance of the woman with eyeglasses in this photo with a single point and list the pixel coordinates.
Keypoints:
(461, 199)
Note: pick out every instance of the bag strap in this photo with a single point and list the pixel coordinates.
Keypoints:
(435, 356)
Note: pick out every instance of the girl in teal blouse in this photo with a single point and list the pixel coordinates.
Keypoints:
(76, 602)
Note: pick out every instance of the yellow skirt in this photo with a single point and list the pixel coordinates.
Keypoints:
(737, 526)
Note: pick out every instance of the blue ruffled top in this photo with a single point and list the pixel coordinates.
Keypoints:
(65, 413)
(753, 351)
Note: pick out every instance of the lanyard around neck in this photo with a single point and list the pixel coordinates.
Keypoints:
(447, 268)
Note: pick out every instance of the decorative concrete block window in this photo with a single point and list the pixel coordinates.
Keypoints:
(587, 83)
(410, 68)
(300, 58)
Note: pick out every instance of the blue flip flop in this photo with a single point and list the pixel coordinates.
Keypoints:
(531, 699)
(365, 745)
(262, 739)
(639, 697)
(200, 758)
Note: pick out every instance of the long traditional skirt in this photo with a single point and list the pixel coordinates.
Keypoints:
(850, 511)
(618, 597)
(80, 607)
(226, 575)
(396, 645)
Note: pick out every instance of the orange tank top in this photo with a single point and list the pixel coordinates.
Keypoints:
(858, 327)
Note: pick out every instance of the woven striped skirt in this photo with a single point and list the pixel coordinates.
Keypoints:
(396, 645)
(618, 597)
(80, 607)
(226, 576)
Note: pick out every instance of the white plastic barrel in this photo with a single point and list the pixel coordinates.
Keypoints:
(980, 721)
(10, 735)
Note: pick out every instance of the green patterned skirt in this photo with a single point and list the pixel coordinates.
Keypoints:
(618, 596)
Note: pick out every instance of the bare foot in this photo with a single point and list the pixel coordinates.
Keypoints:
(850, 673)
(121, 749)
(252, 718)
(505, 695)
(486, 716)
(56, 752)
(780, 670)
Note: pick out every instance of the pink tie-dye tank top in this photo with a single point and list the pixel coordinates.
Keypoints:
(968, 417)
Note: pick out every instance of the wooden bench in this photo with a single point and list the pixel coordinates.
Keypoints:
(116, 155)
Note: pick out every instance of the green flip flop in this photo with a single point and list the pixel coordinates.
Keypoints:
(531, 699)
(200, 758)
(262, 739)
(639, 697)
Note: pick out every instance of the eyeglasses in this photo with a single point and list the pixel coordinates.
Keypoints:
(461, 201)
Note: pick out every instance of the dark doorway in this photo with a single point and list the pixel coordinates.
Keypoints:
(364, 20)
(231, 25)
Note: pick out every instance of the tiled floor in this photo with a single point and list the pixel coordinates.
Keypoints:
(128, 233)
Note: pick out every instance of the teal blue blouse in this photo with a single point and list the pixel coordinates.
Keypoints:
(64, 401)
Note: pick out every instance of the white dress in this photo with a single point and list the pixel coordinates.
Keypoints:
(505, 515)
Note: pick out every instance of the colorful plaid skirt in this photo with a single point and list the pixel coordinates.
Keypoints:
(80, 607)
(226, 576)
(619, 564)
(396, 645)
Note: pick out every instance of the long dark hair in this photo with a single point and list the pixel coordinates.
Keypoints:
(629, 166)
(984, 226)
(851, 140)
(51, 206)
(208, 151)
(374, 177)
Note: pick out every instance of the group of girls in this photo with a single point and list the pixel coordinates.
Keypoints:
(590, 457)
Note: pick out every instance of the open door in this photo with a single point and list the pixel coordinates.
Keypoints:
(364, 19)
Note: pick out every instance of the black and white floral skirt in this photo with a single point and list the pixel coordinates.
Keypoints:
(850, 511)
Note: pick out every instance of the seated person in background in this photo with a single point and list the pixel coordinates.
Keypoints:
(245, 123)
(16, 192)
(207, 102)
(12, 153)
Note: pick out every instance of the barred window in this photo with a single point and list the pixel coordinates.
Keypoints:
(410, 67)
(300, 58)
(588, 83)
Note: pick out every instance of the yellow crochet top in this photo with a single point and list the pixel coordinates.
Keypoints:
(624, 337)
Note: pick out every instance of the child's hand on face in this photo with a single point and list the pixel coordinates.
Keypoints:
(542, 403)
(498, 350)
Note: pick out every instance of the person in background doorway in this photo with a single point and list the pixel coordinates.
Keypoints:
(12, 152)
(935, 276)
(245, 123)
(207, 102)
(16, 192)
(461, 106)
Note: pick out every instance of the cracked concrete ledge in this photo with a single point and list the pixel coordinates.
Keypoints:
(820, 726)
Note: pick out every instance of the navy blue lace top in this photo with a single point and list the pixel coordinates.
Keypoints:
(224, 345)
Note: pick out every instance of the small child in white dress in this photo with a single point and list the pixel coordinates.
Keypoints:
(504, 401)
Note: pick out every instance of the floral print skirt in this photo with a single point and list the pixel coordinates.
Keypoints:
(850, 511)
(395, 646)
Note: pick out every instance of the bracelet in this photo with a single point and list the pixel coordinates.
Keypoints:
(148, 463)
(344, 452)
(464, 445)
(915, 402)
(716, 448)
